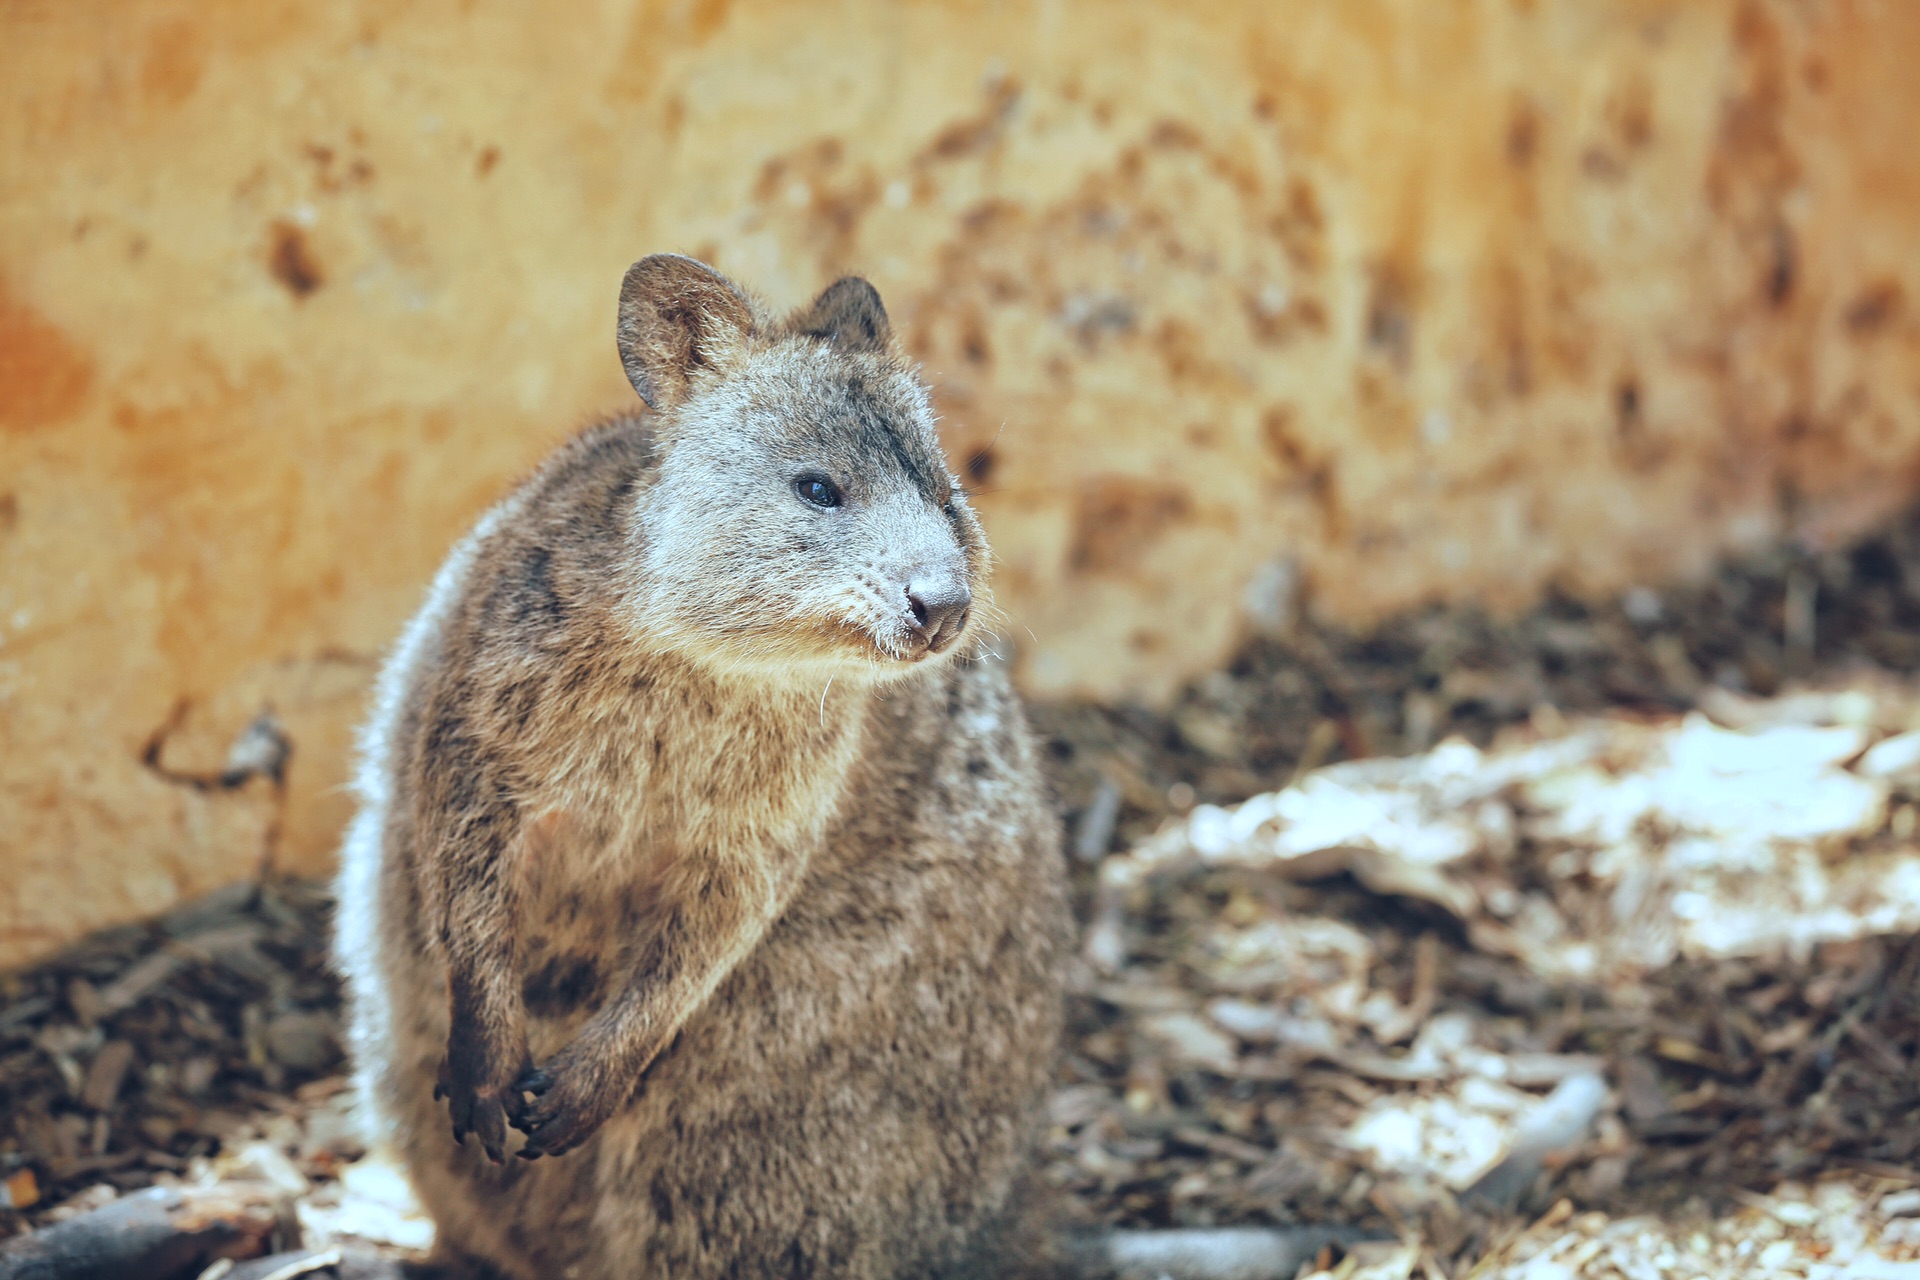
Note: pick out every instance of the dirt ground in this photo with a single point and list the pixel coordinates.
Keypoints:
(1274, 1032)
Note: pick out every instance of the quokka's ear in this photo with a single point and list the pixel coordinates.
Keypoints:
(678, 318)
(848, 313)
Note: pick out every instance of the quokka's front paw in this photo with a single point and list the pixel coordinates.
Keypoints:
(571, 1101)
(481, 1098)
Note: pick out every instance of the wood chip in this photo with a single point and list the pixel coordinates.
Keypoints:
(126, 990)
(105, 1074)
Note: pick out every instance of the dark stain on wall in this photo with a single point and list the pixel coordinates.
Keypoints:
(1117, 518)
(291, 260)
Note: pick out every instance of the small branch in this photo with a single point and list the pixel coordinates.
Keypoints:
(157, 1234)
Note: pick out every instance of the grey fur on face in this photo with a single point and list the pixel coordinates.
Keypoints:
(739, 567)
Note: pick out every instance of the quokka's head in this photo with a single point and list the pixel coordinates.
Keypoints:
(802, 516)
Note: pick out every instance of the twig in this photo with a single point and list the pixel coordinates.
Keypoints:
(160, 1233)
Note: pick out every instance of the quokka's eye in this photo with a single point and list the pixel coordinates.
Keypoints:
(817, 490)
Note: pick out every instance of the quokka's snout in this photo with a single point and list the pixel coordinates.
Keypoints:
(940, 606)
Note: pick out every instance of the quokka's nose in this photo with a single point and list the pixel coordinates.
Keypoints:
(939, 611)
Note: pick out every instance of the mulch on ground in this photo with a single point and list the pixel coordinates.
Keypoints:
(207, 1045)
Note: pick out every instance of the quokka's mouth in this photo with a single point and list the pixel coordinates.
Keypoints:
(920, 647)
(907, 647)
(952, 633)
(919, 650)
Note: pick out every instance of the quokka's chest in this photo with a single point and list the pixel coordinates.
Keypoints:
(690, 765)
(624, 818)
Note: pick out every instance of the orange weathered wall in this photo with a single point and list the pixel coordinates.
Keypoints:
(1415, 299)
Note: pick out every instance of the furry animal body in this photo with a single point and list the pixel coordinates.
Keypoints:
(703, 912)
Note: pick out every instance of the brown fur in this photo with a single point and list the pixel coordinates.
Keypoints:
(667, 797)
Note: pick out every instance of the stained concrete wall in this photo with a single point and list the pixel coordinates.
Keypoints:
(1385, 298)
